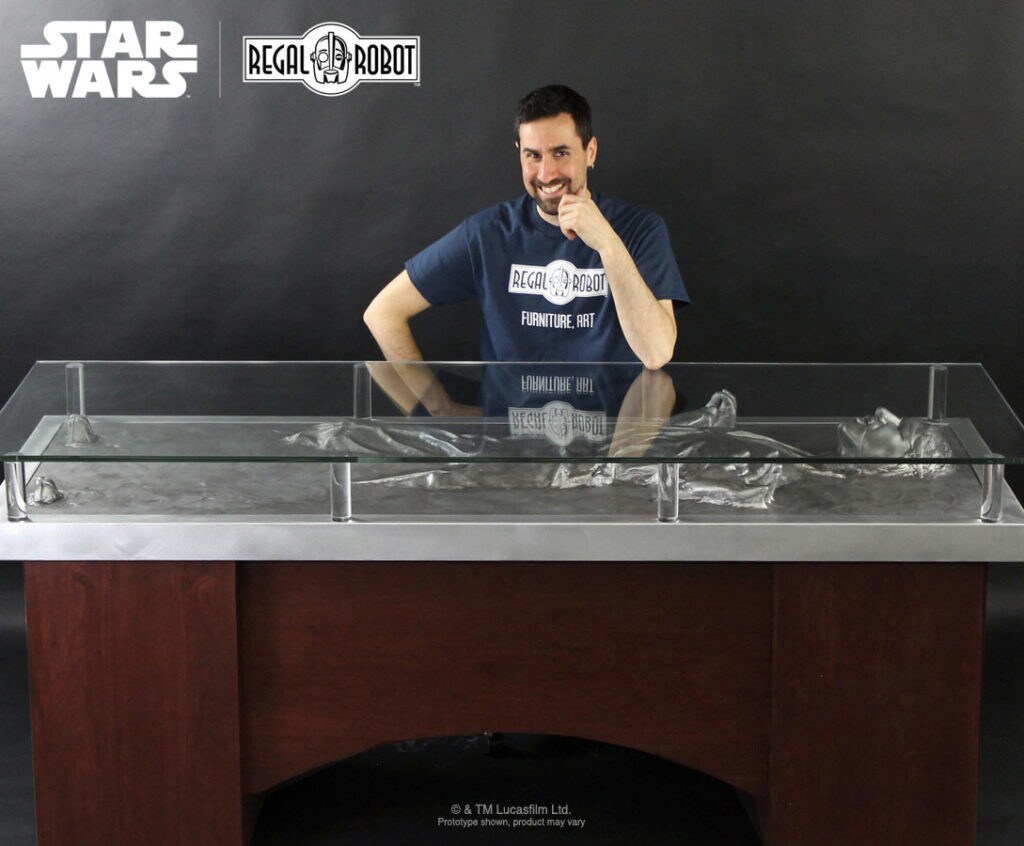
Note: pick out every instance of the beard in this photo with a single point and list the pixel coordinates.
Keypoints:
(549, 205)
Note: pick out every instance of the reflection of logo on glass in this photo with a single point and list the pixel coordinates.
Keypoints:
(332, 58)
(558, 422)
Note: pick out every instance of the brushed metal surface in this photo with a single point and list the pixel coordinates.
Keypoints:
(724, 537)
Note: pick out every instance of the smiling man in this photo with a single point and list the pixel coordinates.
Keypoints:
(561, 274)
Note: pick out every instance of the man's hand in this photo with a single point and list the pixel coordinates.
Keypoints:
(649, 324)
(578, 215)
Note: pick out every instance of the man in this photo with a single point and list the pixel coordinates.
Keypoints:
(561, 274)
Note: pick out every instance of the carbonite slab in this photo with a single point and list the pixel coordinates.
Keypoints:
(280, 510)
(722, 537)
(81, 481)
(301, 491)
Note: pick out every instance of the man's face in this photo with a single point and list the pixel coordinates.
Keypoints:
(554, 161)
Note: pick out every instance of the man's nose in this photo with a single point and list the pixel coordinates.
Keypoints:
(548, 170)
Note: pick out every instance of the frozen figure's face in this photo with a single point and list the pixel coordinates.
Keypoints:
(879, 435)
(884, 435)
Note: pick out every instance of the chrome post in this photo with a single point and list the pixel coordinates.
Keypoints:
(992, 489)
(362, 387)
(668, 492)
(75, 379)
(341, 491)
(937, 379)
(17, 503)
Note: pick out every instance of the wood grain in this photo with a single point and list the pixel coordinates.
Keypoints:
(670, 659)
(876, 704)
(134, 688)
(845, 697)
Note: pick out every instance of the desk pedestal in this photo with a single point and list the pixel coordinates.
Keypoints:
(167, 697)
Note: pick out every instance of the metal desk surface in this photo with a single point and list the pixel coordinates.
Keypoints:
(713, 535)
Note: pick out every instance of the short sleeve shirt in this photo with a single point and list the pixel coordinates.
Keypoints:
(544, 297)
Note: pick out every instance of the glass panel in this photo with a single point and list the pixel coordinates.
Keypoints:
(371, 412)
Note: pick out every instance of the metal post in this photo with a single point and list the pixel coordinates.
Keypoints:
(668, 492)
(75, 379)
(17, 504)
(937, 380)
(341, 491)
(362, 386)
(992, 489)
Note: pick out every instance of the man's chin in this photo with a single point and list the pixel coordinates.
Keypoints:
(547, 206)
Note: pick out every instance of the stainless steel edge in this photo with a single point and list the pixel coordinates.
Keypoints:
(726, 539)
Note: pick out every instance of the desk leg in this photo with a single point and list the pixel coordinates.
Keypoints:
(134, 682)
(876, 700)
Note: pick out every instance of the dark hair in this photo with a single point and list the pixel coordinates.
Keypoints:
(551, 101)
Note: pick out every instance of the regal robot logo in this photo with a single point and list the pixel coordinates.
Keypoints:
(559, 282)
(558, 422)
(331, 59)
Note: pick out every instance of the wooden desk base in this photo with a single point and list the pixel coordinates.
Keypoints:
(166, 697)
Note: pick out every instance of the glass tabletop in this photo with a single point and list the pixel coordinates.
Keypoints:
(907, 415)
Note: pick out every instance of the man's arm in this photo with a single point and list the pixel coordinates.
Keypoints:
(645, 409)
(649, 324)
(388, 316)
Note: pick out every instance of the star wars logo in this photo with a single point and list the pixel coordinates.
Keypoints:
(331, 59)
(113, 60)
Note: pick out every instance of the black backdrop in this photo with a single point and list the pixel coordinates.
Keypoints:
(842, 181)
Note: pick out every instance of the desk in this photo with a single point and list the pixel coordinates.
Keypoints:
(829, 666)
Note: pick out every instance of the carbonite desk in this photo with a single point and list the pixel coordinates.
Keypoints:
(237, 573)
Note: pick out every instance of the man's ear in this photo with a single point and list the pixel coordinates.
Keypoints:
(592, 151)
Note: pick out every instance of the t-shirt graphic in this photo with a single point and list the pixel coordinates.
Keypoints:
(544, 297)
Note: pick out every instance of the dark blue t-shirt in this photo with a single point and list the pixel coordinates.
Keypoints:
(544, 297)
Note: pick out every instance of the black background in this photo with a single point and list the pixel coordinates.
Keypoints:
(842, 181)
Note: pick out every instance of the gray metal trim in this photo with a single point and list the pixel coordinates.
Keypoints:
(730, 538)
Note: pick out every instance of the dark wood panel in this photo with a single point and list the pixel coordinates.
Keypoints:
(669, 658)
(876, 704)
(134, 689)
(874, 670)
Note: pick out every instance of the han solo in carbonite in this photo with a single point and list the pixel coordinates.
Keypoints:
(884, 435)
(748, 481)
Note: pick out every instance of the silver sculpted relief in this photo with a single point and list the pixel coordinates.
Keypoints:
(749, 479)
